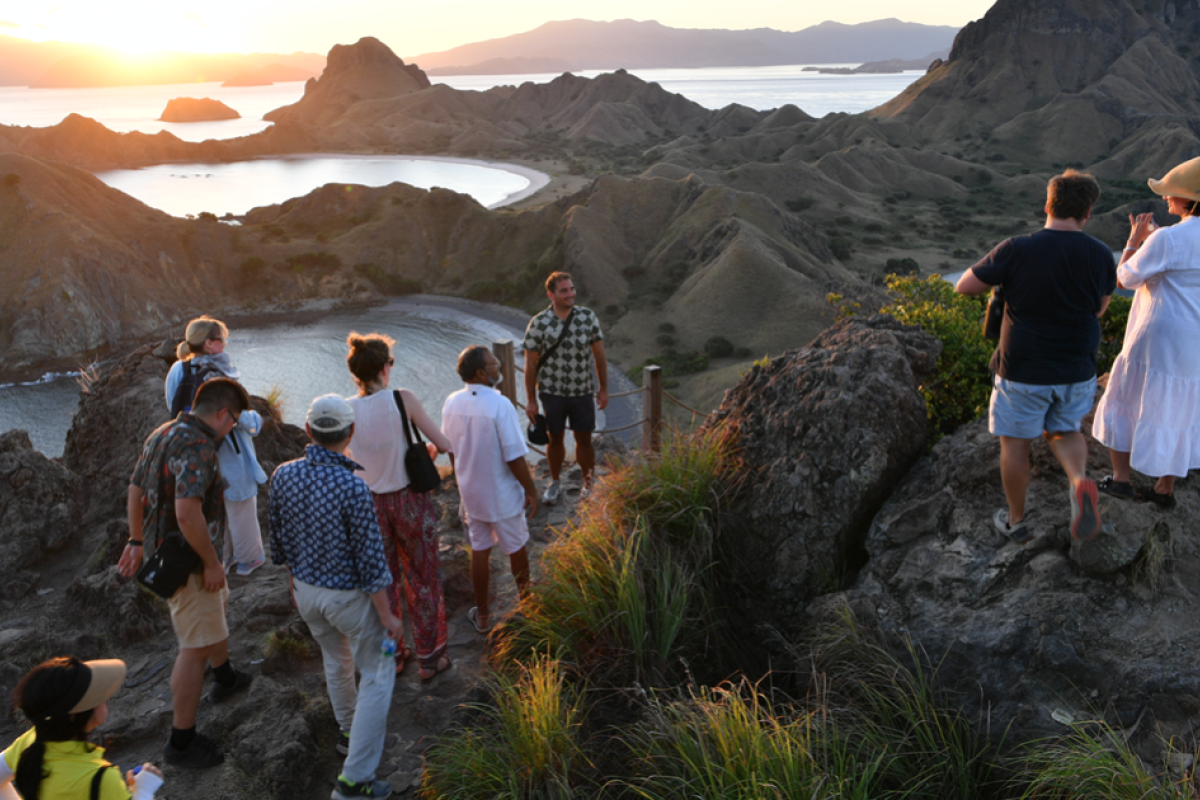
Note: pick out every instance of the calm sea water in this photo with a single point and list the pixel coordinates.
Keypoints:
(303, 361)
(237, 187)
(137, 108)
(757, 87)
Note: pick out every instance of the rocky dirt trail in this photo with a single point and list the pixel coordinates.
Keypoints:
(61, 526)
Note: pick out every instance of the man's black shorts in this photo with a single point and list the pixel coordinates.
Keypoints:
(558, 409)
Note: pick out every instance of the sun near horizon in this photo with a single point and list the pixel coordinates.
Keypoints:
(143, 27)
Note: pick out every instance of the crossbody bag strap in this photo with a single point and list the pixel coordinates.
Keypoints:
(550, 350)
(99, 776)
(405, 421)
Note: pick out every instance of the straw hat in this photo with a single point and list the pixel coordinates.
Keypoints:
(1182, 181)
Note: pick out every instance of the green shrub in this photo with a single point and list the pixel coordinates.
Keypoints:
(903, 266)
(840, 247)
(1112, 332)
(673, 363)
(959, 391)
(799, 204)
(321, 261)
(386, 282)
(718, 347)
(206, 216)
(251, 269)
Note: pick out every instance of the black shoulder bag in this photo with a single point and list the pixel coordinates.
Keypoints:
(422, 474)
(169, 567)
(993, 318)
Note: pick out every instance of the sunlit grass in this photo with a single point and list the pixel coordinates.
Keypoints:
(527, 745)
(625, 595)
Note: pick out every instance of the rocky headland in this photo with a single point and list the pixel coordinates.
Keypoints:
(191, 109)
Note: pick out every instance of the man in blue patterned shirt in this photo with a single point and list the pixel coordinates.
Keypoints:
(324, 530)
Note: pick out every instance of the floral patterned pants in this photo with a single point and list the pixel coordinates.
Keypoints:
(408, 523)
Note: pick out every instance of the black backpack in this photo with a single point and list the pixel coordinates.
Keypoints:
(193, 376)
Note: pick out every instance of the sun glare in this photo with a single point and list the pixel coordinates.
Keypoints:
(141, 27)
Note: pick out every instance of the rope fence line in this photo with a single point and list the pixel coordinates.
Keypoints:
(676, 401)
(626, 394)
(625, 427)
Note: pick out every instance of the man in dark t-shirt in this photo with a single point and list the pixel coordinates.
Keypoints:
(1056, 285)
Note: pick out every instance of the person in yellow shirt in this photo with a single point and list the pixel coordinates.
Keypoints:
(65, 699)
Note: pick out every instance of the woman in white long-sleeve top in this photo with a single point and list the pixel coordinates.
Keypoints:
(1149, 417)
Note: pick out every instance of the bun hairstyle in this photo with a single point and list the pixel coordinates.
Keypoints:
(369, 354)
(199, 331)
(45, 696)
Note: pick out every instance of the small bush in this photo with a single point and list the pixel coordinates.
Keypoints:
(251, 269)
(799, 204)
(321, 261)
(959, 392)
(840, 247)
(903, 266)
(718, 347)
(386, 282)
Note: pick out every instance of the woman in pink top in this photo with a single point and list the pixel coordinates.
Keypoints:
(407, 519)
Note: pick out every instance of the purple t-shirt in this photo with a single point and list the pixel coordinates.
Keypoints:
(1053, 284)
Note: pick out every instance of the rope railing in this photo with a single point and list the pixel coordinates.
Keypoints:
(625, 427)
(677, 402)
(626, 394)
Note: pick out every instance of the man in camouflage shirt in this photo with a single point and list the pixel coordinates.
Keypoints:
(177, 486)
(566, 380)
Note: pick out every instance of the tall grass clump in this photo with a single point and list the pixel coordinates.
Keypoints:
(627, 594)
(732, 743)
(1095, 761)
(889, 709)
(526, 745)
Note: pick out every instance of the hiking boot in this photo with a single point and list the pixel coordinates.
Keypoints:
(343, 742)
(1085, 516)
(1019, 533)
(347, 791)
(552, 492)
(221, 692)
(202, 753)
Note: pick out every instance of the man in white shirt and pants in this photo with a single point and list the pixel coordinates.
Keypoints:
(494, 483)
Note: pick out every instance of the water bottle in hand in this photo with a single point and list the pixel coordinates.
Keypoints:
(388, 648)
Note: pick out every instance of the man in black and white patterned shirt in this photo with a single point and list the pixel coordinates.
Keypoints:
(567, 379)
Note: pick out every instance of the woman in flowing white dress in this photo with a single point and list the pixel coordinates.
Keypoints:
(1149, 416)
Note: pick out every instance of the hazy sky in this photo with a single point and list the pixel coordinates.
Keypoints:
(410, 28)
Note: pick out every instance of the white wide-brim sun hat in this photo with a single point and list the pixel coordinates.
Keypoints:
(1182, 181)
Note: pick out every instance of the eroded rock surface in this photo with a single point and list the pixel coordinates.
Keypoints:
(1052, 631)
(40, 504)
(825, 432)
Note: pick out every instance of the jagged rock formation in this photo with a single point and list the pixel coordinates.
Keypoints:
(190, 109)
(825, 433)
(93, 268)
(40, 504)
(1030, 637)
(1111, 85)
(355, 73)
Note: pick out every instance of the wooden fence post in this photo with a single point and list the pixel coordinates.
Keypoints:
(503, 350)
(652, 400)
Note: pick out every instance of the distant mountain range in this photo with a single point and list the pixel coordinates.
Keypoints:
(66, 64)
(629, 44)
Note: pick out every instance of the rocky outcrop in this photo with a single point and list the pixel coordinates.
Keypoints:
(1050, 632)
(40, 504)
(1069, 81)
(367, 70)
(190, 109)
(122, 403)
(825, 433)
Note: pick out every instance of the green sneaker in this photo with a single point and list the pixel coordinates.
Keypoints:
(347, 790)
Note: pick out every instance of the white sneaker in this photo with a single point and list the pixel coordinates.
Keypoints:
(586, 490)
(552, 493)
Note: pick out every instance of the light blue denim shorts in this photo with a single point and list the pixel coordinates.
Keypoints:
(1024, 410)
